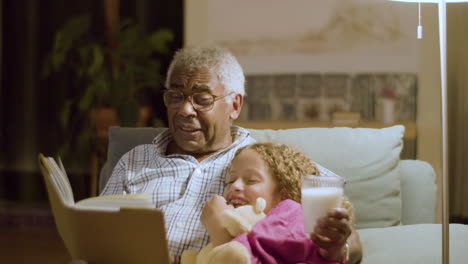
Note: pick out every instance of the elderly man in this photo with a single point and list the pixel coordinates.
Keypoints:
(186, 165)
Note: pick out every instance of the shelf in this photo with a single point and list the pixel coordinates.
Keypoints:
(410, 126)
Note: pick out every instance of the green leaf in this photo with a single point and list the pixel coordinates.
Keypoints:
(87, 99)
(129, 37)
(101, 87)
(61, 47)
(77, 27)
(97, 60)
(160, 40)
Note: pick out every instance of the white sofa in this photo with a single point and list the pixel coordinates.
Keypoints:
(395, 200)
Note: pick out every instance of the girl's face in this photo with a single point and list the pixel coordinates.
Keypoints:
(250, 178)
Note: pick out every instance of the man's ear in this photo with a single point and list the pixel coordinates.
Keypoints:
(237, 102)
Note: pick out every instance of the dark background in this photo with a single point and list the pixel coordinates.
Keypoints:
(30, 104)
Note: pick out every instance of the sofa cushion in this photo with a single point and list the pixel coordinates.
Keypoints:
(367, 158)
(415, 244)
(418, 192)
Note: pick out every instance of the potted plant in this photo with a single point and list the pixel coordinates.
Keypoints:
(100, 94)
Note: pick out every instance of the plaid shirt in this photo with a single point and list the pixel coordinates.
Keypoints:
(180, 185)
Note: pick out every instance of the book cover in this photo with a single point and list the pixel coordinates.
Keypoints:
(114, 229)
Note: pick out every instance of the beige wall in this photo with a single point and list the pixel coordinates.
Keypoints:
(429, 106)
(195, 21)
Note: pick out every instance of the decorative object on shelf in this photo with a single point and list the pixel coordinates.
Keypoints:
(384, 97)
(346, 118)
(387, 105)
(443, 81)
(387, 110)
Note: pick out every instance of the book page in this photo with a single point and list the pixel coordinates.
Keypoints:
(56, 176)
(143, 200)
(62, 168)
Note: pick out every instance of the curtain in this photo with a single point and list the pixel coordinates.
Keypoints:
(457, 64)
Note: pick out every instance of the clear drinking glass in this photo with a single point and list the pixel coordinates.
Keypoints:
(319, 196)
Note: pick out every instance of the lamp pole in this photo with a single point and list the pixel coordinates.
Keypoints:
(443, 96)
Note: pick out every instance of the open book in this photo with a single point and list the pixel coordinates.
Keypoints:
(106, 229)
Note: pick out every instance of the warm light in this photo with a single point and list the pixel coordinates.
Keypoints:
(430, 1)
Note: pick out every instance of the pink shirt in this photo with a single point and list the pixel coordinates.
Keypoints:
(280, 238)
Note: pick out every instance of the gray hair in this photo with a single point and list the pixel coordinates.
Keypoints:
(216, 59)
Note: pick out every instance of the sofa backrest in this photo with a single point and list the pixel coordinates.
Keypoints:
(367, 158)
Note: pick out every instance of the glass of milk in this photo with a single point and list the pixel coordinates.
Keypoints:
(319, 196)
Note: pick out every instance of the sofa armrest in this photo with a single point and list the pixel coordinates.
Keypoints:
(418, 192)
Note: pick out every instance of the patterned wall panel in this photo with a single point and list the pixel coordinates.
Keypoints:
(315, 96)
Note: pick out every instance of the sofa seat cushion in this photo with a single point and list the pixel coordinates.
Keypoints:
(367, 158)
(415, 244)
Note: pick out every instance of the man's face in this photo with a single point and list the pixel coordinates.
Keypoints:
(201, 132)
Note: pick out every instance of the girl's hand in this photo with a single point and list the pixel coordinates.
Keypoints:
(213, 210)
(211, 219)
(331, 234)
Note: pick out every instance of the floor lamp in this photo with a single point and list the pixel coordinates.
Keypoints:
(443, 83)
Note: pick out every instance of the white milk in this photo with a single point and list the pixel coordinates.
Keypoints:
(317, 202)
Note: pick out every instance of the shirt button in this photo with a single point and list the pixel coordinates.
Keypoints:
(197, 171)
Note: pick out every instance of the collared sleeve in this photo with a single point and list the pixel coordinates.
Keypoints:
(280, 238)
(115, 184)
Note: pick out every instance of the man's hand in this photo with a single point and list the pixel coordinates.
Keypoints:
(331, 234)
(211, 219)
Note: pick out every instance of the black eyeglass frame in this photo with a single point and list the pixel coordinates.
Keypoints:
(190, 98)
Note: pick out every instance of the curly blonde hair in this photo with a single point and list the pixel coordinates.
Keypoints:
(287, 164)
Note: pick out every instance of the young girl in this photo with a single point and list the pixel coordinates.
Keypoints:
(274, 173)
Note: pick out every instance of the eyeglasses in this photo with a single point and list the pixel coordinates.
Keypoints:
(201, 101)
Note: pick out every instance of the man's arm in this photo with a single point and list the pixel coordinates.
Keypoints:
(355, 248)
